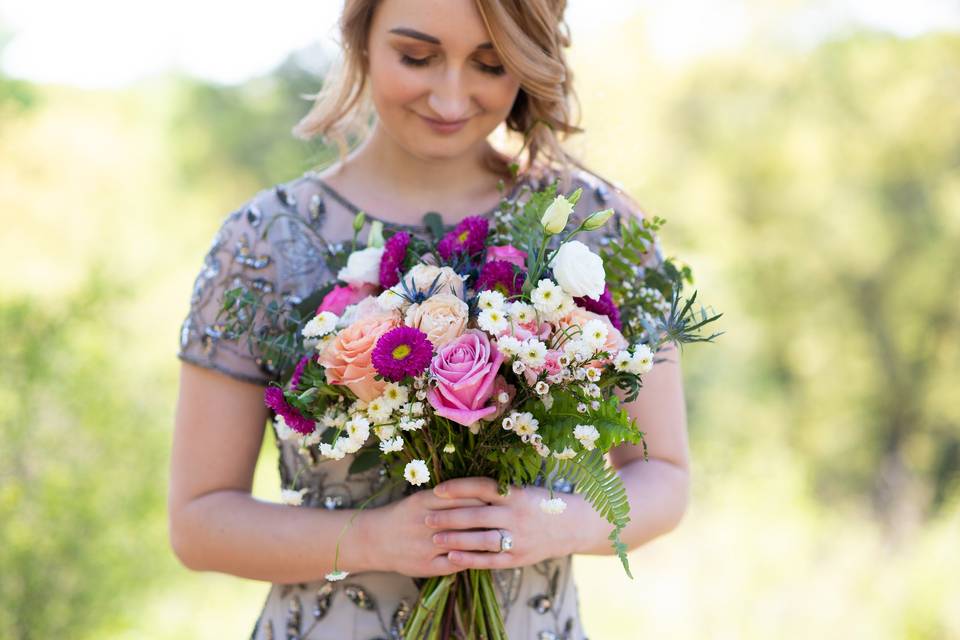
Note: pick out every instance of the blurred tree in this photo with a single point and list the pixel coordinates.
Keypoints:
(81, 508)
(246, 128)
(838, 174)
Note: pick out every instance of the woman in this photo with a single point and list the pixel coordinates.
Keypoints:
(442, 76)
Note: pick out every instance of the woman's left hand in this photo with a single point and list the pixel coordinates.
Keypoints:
(471, 535)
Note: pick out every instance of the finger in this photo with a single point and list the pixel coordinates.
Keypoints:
(440, 565)
(453, 503)
(488, 540)
(481, 560)
(476, 487)
(487, 517)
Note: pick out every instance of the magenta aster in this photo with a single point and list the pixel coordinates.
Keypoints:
(394, 251)
(298, 372)
(402, 352)
(502, 276)
(604, 306)
(468, 237)
(273, 398)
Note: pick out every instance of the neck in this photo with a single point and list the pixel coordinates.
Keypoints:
(424, 183)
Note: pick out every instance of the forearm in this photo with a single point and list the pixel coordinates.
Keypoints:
(235, 533)
(658, 492)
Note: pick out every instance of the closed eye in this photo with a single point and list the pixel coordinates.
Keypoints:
(495, 70)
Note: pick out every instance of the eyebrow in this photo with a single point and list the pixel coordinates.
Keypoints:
(413, 33)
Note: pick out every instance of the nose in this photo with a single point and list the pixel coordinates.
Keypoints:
(450, 97)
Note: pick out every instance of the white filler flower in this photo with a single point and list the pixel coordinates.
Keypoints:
(292, 497)
(416, 472)
(392, 445)
(320, 325)
(587, 434)
(362, 266)
(553, 506)
(333, 576)
(578, 270)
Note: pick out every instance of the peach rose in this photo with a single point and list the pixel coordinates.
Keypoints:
(442, 316)
(346, 358)
(580, 316)
(423, 275)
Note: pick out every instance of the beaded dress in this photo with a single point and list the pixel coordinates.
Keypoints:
(539, 602)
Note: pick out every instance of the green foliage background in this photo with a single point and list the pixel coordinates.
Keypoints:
(815, 193)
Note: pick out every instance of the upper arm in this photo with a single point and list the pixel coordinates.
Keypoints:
(660, 411)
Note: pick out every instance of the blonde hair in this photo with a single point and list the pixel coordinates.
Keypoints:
(528, 35)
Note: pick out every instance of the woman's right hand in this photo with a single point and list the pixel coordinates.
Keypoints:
(401, 542)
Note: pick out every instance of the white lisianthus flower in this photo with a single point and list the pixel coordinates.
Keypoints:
(594, 334)
(546, 296)
(534, 353)
(553, 506)
(292, 497)
(392, 445)
(331, 452)
(416, 472)
(333, 576)
(520, 312)
(490, 299)
(492, 321)
(642, 360)
(363, 267)
(320, 325)
(566, 454)
(597, 219)
(509, 346)
(621, 361)
(578, 270)
(555, 218)
(587, 434)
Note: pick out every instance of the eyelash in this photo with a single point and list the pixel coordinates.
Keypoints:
(422, 62)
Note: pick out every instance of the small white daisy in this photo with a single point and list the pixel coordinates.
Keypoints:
(293, 497)
(320, 325)
(492, 321)
(553, 506)
(587, 434)
(416, 472)
(392, 445)
(491, 300)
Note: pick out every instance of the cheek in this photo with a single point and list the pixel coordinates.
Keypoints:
(498, 98)
(394, 85)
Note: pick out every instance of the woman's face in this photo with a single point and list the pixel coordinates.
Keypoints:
(433, 60)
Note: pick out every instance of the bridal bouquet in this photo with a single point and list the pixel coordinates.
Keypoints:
(490, 350)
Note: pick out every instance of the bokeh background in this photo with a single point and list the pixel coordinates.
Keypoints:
(805, 153)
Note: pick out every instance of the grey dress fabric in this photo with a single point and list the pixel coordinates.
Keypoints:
(539, 602)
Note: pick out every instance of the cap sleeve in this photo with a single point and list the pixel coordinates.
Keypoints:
(599, 194)
(238, 256)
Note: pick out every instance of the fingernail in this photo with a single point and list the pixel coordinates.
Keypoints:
(438, 538)
(453, 556)
(430, 520)
(439, 491)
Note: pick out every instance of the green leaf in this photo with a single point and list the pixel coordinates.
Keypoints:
(365, 459)
(434, 224)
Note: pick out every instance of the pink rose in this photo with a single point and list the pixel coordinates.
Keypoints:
(527, 330)
(347, 358)
(339, 298)
(551, 366)
(464, 370)
(508, 254)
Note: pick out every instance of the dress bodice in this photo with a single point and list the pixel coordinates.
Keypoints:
(301, 218)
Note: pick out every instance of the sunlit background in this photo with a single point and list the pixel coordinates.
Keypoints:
(805, 154)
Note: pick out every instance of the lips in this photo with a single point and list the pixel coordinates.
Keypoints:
(444, 126)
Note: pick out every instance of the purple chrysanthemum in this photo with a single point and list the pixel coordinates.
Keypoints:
(273, 398)
(298, 372)
(468, 237)
(394, 251)
(502, 276)
(402, 352)
(604, 306)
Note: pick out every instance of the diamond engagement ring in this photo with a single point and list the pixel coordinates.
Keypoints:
(506, 541)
